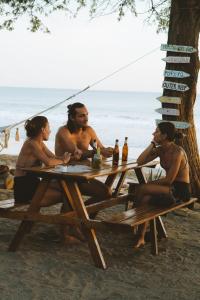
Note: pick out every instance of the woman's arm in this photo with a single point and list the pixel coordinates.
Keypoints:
(149, 154)
(41, 155)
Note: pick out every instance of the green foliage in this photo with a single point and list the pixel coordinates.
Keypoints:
(154, 175)
(12, 10)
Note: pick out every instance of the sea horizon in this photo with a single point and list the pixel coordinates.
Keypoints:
(113, 114)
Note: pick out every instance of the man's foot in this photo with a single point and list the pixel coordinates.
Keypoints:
(139, 242)
(70, 234)
(76, 232)
(70, 240)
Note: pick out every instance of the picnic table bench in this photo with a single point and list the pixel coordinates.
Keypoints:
(138, 215)
(80, 214)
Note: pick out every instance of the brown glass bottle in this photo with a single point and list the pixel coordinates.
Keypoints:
(125, 150)
(116, 153)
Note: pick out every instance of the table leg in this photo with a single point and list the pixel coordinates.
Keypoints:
(162, 233)
(140, 175)
(119, 184)
(153, 234)
(110, 180)
(73, 193)
(25, 226)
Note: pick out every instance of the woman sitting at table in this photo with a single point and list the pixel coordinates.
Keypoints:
(175, 186)
(35, 153)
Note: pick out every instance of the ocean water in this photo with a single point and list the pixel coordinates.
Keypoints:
(112, 114)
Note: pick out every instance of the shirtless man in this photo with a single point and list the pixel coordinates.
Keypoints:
(75, 138)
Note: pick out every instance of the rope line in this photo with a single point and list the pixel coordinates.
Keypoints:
(7, 129)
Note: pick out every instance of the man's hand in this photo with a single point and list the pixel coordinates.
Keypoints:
(107, 152)
(66, 157)
(77, 154)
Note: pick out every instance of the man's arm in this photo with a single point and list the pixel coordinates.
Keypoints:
(65, 143)
(106, 152)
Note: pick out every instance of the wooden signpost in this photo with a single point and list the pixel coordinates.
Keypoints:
(178, 48)
(169, 85)
(177, 124)
(166, 99)
(176, 74)
(177, 59)
(168, 111)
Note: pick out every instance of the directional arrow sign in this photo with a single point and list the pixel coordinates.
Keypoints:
(165, 99)
(177, 48)
(177, 124)
(169, 85)
(176, 74)
(168, 111)
(177, 59)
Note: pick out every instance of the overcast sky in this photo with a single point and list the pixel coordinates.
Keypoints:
(80, 51)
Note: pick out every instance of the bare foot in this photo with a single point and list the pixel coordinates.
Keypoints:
(140, 242)
(70, 240)
(77, 233)
(72, 233)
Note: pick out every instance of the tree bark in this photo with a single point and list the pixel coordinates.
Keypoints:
(184, 29)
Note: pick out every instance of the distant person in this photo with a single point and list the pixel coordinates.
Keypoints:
(175, 186)
(76, 137)
(35, 153)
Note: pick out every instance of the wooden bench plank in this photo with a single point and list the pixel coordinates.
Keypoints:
(38, 217)
(145, 213)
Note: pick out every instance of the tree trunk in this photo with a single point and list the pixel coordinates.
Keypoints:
(184, 29)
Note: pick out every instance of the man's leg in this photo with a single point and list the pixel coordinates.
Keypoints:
(96, 189)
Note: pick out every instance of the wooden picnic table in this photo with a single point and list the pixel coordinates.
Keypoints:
(69, 178)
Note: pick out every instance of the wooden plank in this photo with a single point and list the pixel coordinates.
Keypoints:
(177, 48)
(119, 184)
(175, 86)
(162, 233)
(90, 234)
(168, 111)
(176, 74)
(37, 217)
(177, 124)
(153, 234)
(140, 175)
(166, 99)
(26, 226)
(177, 59)
(146, 213)
(106, 204)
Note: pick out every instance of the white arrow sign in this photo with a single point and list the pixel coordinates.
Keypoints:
(176, 74)
(177, 59)
(166, 99)
(169, 85)
(177, 48)
(177, 124)
(168, 111)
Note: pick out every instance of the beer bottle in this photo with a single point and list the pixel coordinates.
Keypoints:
(96, 161)
(125, 150)
(116, 153)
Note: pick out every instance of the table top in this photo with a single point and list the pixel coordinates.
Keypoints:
(83, 170)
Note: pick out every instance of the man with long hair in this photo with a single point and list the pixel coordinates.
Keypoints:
(76, 136)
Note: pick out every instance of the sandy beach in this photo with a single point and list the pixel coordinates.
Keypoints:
(44, 268)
